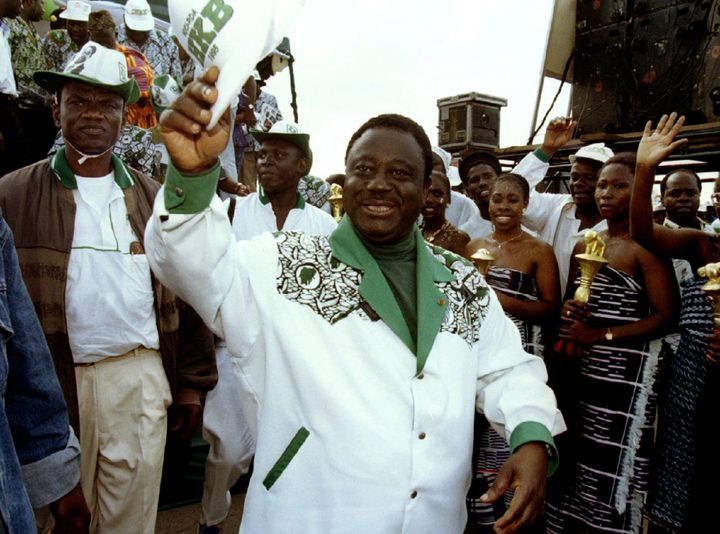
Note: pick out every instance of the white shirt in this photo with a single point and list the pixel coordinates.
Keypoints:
(461, 209)
(379, 448)
(254, 215)
(552, 216)
(109, 297)
(7, 77)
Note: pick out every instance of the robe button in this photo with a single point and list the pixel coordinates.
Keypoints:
(422, 435)
(179, 191)
(441, 302)
(420, 376)
(413, 494)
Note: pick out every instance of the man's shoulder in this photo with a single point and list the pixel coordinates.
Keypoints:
(144, 182)
(25, 178)
(309, 243)
(452, 261)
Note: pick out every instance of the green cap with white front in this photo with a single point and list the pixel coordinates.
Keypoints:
(290, 132)
(93, 65)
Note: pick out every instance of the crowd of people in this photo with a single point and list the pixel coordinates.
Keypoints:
(161, 279)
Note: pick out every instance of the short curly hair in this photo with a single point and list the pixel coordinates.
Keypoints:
(401, 123)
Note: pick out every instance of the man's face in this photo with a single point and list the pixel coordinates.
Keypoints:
(480, 179)
(10, 8)
(682, 196)
(90, 117)
(78, 31)
(383, 192)
(583, 179)
(280, 165)
(137, 36)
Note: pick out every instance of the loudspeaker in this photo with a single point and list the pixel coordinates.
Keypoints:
(599, 96)
(593, 14)
(666, 54)
(469, 120)
(706, 90)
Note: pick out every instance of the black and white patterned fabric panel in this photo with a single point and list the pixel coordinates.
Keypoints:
(467, 294)
(309, 275)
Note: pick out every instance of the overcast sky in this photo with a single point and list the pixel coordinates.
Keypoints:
(355, 60)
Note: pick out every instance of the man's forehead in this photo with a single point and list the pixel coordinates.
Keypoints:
(278, 143)
(584, 167)
(84, 89)
(682, 180)
(483, 170)
(388, 143)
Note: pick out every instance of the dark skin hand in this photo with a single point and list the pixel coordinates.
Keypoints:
(184, 419)
(183, 126)
(525, 472)
(559, 132)
(660, 287)
(71, 513)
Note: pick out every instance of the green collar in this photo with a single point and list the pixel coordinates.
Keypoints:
(61, 168)
(431, 302)
(299, 205)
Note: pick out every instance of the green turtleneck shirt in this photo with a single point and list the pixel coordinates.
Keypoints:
(397, 261)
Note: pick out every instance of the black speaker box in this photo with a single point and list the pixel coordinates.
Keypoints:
(593, 14)
(599, 99)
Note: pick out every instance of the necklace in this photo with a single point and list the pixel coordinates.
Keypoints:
(501, 243)
(431, 237)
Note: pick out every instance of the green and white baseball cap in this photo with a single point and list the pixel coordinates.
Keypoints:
(94, 65)
(290, 132)
(164, 91)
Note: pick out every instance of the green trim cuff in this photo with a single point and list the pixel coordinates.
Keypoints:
(533, 431)
(188, 194)
(542, 156)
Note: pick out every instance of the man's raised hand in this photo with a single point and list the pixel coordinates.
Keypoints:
(183, 126)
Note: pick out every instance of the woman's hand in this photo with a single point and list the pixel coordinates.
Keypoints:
(656, 146)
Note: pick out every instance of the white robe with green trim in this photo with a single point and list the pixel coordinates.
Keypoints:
(356, 433)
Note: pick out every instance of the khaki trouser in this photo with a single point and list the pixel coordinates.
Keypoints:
(123, 404)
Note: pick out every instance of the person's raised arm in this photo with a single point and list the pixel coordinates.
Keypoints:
(189, 242)
(655, 146)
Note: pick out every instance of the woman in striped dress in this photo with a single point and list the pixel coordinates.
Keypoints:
(608, 392)
(683, 495)
(525, 277)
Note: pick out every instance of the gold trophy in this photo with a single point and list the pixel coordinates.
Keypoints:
(711, 271)
(590, 262)
(482, 260)
(336, 205)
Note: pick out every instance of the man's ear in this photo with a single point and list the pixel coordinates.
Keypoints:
(56, 111)
(303, 165)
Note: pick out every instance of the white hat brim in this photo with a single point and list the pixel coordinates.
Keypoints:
(139, 24)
